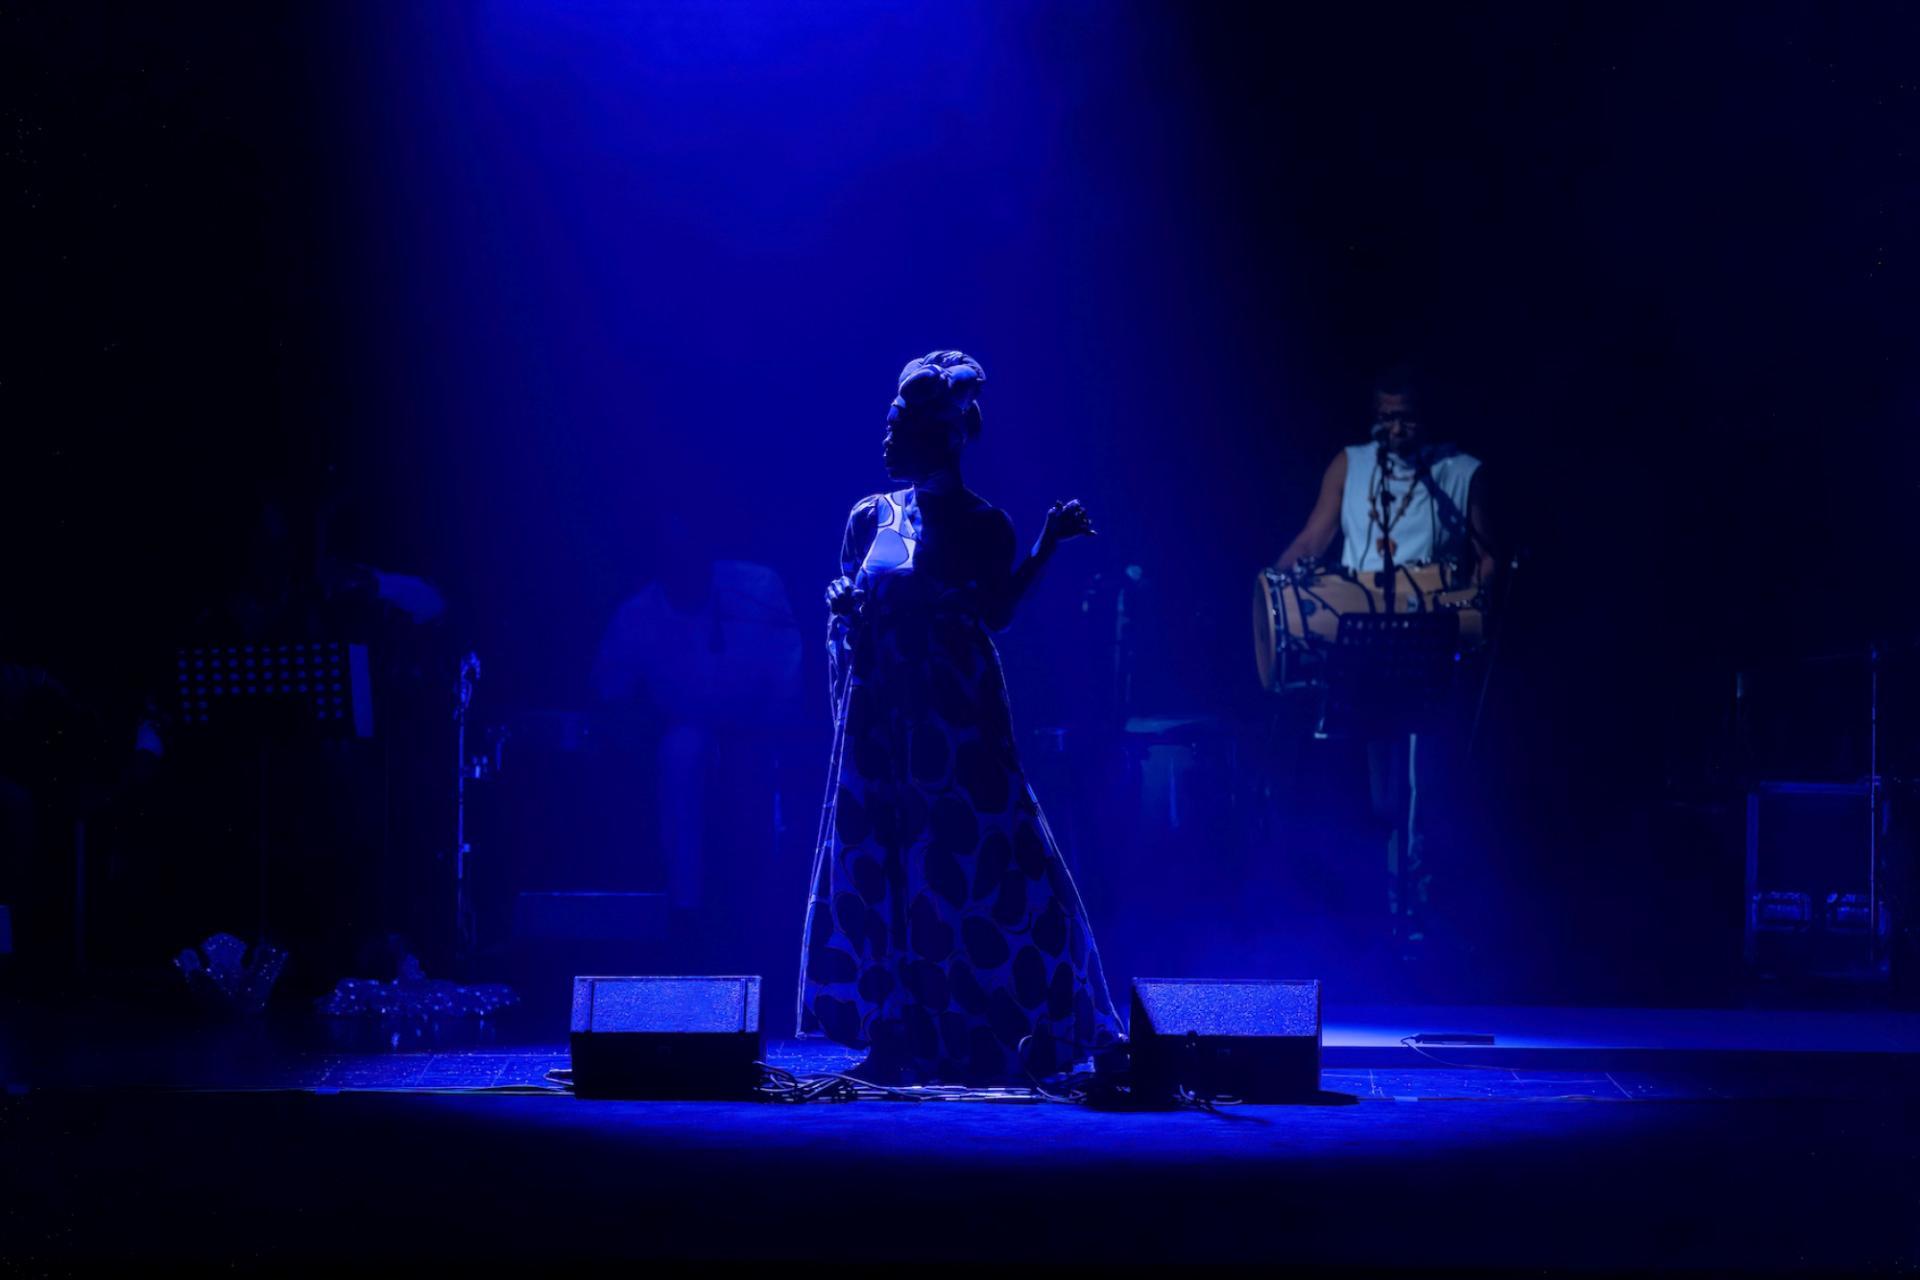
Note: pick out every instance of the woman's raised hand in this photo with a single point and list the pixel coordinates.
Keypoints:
(1066, 520)
(843, 600)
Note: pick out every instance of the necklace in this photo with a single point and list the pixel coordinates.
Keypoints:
(1379, 501)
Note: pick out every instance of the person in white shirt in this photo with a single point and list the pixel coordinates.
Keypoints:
(1402, 499)
(705, 646)
(1400, 495)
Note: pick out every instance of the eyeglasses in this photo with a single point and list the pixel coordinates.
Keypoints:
(1386, 420)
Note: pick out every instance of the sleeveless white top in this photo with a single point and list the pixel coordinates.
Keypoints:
(1434, 526)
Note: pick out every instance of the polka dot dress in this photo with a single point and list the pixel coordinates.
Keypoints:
(943, 931)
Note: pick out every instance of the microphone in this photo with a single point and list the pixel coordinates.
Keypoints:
(463, 687)
(1415, 455)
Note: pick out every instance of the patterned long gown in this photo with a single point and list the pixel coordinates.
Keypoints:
(942, 930)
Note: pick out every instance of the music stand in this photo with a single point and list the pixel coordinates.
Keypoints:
(259, 693)
(266, 690)
(1391, 674)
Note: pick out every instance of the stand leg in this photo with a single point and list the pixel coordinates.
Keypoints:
(80, 897)
(260, 930)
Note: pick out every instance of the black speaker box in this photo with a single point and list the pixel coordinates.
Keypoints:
(661, 1037)
(1258, 1041)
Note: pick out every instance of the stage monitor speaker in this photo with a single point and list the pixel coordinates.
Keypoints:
(660, 1037)
(1257, 1041)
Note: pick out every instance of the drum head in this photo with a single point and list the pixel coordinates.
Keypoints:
(1266, 629)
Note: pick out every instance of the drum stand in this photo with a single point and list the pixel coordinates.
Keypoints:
(1497, 624)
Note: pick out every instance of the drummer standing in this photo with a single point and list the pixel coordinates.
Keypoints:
(1404, 500)
(1398, 494)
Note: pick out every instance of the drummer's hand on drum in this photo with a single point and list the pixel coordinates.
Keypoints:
(1065, 520)
(843, 598)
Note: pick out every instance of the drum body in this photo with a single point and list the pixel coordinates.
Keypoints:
(1296, 615)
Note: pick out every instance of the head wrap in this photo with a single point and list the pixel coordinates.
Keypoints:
(943, 385)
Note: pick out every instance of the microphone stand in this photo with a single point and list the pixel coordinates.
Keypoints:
(463, 913)
(1384, 464)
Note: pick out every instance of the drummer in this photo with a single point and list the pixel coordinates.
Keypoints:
(1400, 496)
(1405, 500)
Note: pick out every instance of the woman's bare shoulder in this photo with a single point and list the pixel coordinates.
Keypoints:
(998, 524)
(981, 506)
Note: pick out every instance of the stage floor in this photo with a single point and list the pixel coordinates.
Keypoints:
(1743, 1146)
(1367, 1033)
(1644, 1052)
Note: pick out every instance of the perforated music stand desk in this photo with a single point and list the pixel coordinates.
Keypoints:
(1391, 674)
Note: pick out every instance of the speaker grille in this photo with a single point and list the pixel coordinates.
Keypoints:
(1223, 1007)
(698, 1005)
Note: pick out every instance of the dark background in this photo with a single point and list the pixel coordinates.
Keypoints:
(558, 292)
